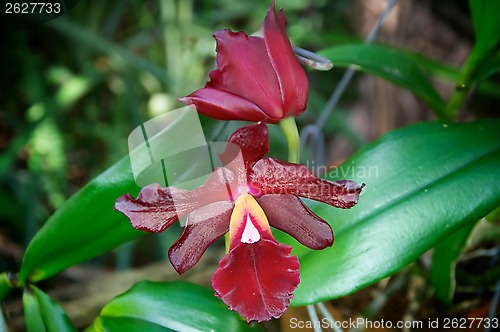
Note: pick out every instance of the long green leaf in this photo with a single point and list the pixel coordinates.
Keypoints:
(444, 261)
(173, 306)
(423, 182)
(450, 74)
(43, 314)
(488, 68)
(389, 64)
(84, 227)
(486, 23)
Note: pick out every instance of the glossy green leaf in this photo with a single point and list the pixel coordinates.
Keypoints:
(84, 227)
(423, 183)
(389, 64)
(44, 314)
(444, 260)
(168, 306)
(125, 324)
(486, 23)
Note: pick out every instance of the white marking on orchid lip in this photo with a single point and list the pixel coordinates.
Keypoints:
(250, 233)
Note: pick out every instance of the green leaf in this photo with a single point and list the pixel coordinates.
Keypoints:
(168, 306)
(423, 183)
(42, 313)
(493, 216)
(486, 23)
(450, 74)
(444, 260)
(389, 64)
(125, 324)
(5, 285)
(84, 227)
(488, 68)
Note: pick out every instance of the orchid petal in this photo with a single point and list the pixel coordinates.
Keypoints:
(253, 142)
(157, 208)
(270, 176)
(244, 69)
(291, 76)
(290, 215)
(257, 280)
(152, 211)
(223, 105)
(203, 227)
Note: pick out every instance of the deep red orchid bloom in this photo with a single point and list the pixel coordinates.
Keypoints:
(257, 79)
(257, 276)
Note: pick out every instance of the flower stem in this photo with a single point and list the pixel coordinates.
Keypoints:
(227, 241)
(462, 86)
(289, 128)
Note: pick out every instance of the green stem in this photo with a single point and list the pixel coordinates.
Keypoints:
(462, 86)
(227, 241)
(289, 128)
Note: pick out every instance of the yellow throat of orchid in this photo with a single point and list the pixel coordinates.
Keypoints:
(248, 221)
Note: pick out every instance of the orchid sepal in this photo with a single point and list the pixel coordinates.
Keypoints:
(256, 79)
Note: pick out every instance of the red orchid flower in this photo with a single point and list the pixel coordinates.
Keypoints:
(257, 79)
(257, 276)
